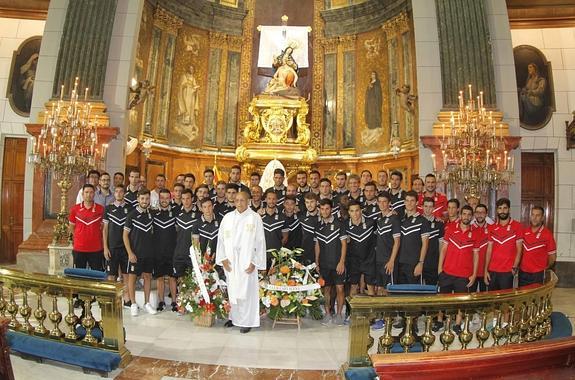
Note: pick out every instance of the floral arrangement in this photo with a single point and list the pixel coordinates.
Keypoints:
(290, 289)
(200, 299)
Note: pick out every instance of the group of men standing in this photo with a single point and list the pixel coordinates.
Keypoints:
(362, 234)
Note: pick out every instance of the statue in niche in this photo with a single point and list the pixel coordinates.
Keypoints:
(406, 100)
(285, 77)
(188, 105)
(372, 111)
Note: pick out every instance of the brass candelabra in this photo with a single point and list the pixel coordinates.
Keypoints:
(475, 157)
(68, 146)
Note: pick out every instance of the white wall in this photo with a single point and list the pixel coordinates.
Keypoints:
(120, 68)
(430, 97)
(558, 45)
(12, 33)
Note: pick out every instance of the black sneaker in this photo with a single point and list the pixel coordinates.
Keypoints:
(437, 325)
(161, 306)
(457, 329)
(127, 304)
(174, 306)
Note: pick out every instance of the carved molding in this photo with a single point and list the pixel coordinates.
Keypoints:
(245, 69)
(218, 40)
(347, 42)
(167, 21)
(396, 25)
(318, 63)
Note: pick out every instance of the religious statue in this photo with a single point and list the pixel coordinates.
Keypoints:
(406, 100)
(141, 90)
(188, 104)
(285, 77)
(532, 96)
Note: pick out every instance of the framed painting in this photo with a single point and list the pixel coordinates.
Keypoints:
(534, 87)
(22, 75)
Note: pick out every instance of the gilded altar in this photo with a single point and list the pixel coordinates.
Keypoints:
(277, 130)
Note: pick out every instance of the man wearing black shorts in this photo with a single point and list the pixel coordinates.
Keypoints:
(414, 241)
(114, 249)
(139, 241)
(293, 223)
(184, 225)
(330, 253)
(360, 258)
(309, 219)
(205, 229)
(397, 193)
(435, 235)
(388, 231)
(165, 244)
(275, 230)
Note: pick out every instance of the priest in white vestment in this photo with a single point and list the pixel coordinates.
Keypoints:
(241, 250)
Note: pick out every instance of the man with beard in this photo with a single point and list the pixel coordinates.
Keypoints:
(325, 193)
(439, 199)
(279, 187)
(504, 249)
(301, 180)
(539, 249)
(314, 177)
(370, 208)
(235, 176)
(479, 226)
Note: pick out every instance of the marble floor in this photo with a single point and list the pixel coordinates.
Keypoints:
(166, 345)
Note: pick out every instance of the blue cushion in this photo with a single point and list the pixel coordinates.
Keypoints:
(360, 373)
(85, 273)
(82, 356)
(412, 289)
(560, 326)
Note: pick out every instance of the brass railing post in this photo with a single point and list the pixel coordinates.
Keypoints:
(359, 339)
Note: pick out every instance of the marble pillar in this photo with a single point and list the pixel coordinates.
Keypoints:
(465, 50)
(84, 46)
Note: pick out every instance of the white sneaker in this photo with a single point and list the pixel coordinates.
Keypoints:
(134, 310)
(150, 309)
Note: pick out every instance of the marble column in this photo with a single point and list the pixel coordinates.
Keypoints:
(465, 50)
(84, 46)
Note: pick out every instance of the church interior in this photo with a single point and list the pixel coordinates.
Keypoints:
(403, 89)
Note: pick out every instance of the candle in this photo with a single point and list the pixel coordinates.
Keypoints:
(505, 160)
(62, 92)
(461, 99)
(481, 98)
(512, 163)
(433, 162)
(470, 94)
(487, 159)
(86, 94)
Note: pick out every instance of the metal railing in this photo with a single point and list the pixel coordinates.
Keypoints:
(520, 315)
(34, 305)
